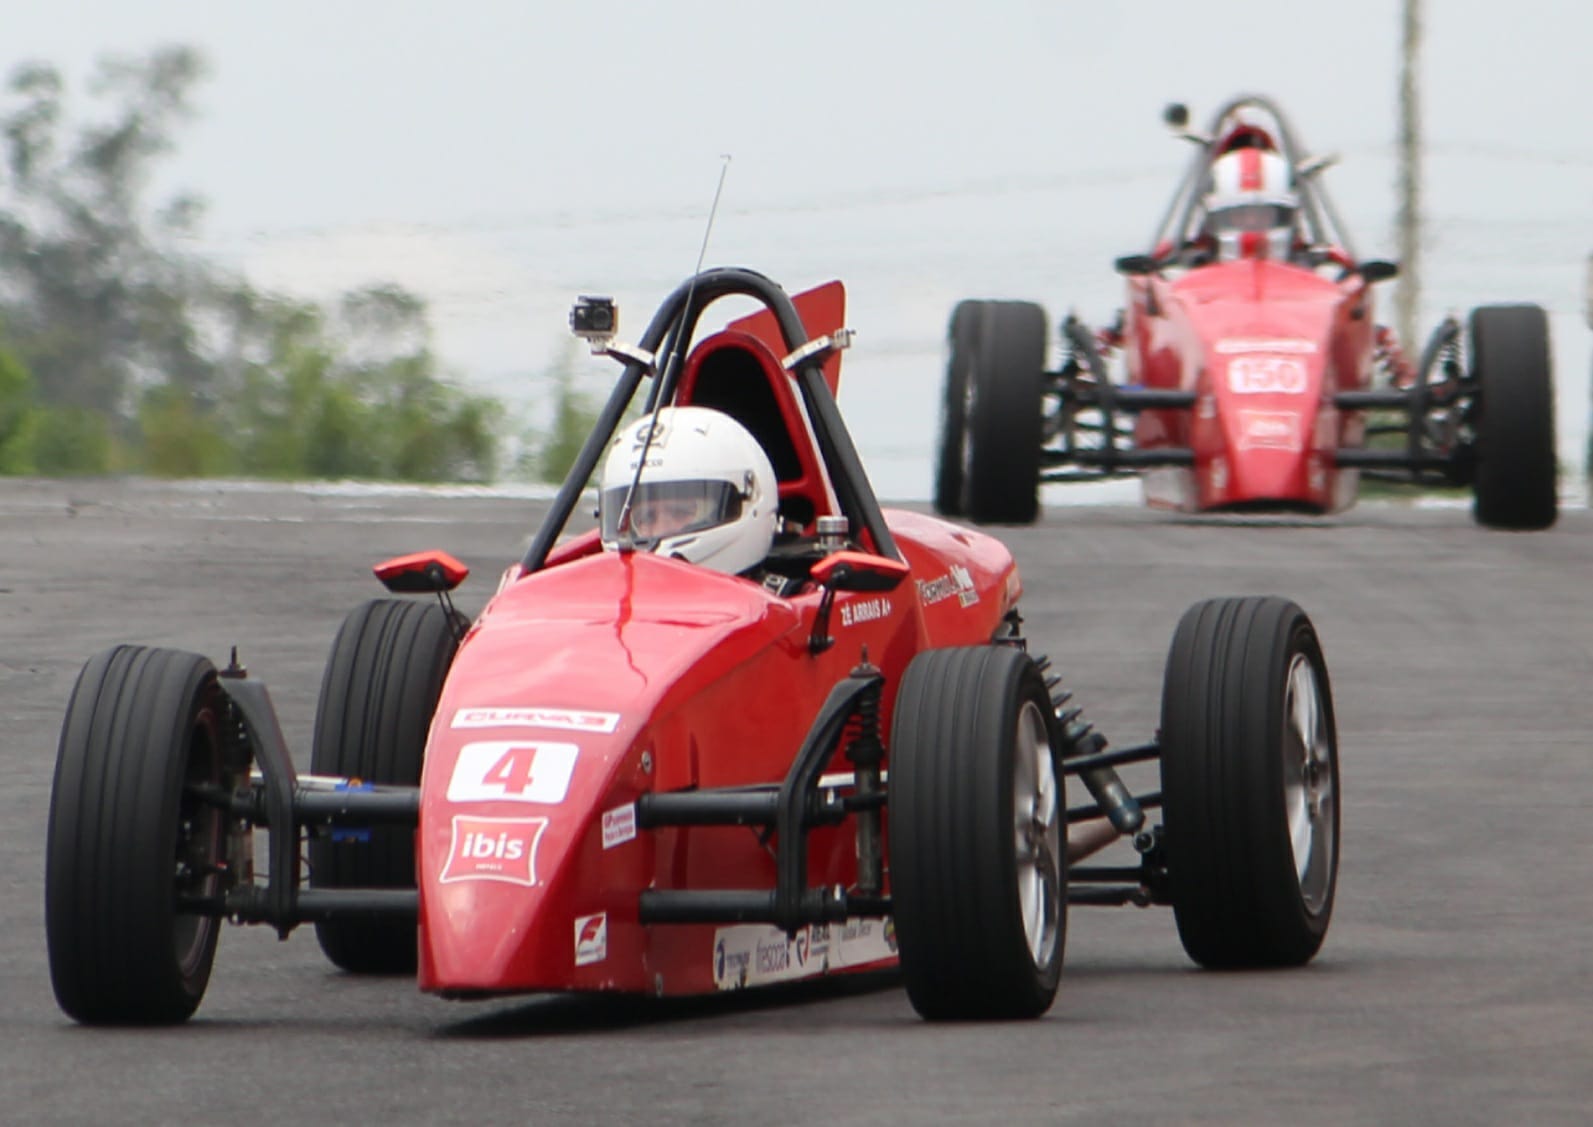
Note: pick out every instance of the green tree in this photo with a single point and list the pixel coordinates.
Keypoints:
(95, 294)
(140, 356)
(18, 411)
(573, 418)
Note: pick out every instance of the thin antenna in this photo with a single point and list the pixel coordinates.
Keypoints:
(625, 540)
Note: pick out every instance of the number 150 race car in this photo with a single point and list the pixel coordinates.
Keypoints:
(634, 772)
(1255, 375)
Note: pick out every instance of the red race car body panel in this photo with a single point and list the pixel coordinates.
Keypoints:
(1264, 346)
(604, 676)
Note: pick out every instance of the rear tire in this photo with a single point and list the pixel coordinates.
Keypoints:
(954, 410)
(1514, 484)
(1005, 420)
(143, 728)
(382, 681)
(977, 836)
(1250, 784)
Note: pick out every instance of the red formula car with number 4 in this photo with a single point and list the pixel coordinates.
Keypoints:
(752, 728)
(1250, 371)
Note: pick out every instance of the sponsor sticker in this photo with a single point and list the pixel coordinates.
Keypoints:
(619, 825)
(1255, 375)
(1230, 345)
(956, 582)
(501, 849)
(758, 954)
(512, 771)
(591, 939)
(1270, 430)
(865, 610)
(566, 719)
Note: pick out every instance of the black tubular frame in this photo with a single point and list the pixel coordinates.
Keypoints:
(281, 804)
(795, 808)
(671, 329)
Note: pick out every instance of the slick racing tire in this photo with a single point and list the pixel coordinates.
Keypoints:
(978, 840)
(378, 694)
(954, 409)
(131, 841)
(1005, 413)
(1514, 484)
(1250, 784)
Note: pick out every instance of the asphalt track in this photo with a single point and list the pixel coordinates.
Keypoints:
(1455, 987)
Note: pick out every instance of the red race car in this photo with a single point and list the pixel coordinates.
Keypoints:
(749, 729)
(1254, 374)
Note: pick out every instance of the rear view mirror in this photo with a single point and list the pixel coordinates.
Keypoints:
(1136, 265)
(859, 571)
(421, 572)
(1378, 270)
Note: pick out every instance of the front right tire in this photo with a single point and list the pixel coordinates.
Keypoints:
(133, 847)
(380, 689)
(1005, 413)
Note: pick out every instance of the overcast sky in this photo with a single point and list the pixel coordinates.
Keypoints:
(503, 155)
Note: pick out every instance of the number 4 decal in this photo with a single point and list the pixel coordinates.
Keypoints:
(512, 771)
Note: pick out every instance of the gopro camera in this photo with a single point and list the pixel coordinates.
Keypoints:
(594, 318)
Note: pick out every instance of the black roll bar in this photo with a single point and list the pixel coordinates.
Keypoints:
(675, 322)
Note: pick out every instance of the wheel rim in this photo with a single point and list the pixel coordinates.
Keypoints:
(1037, 835)
(199, 844)
(1308, 780)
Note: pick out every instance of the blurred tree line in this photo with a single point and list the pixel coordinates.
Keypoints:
(119, 352)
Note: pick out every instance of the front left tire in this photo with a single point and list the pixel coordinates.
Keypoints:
(1514, 484)
(1250, 784)
(978, 836)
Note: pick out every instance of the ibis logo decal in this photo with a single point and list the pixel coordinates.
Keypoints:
(500, 849)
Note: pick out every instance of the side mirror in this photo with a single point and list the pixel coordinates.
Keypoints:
(421, 572)
(1136, 265)
(1378, 270)
(859, 571)
(1176, 115)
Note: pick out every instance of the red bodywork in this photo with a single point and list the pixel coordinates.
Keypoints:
(1264, 345)
(605, 676)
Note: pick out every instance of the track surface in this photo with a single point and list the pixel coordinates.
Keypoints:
(1456, 984)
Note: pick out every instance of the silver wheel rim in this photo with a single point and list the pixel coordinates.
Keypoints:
(1308, 793)
(1037, 835)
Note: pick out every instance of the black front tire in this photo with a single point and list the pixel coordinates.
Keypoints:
(1006, 422)
(1250, 784)
(977, 836)
(128, 835)
(378, 694)
(1515, 479)
(954, 410)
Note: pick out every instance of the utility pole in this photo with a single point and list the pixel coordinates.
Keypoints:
(1407, 298)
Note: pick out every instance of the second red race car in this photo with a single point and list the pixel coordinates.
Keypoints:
(1247, 370)
(751, 729)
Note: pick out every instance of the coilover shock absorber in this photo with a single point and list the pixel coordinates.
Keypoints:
(865, 752)
(1080, 739)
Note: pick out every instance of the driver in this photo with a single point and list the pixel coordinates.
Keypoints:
(707, 494)
(1252, 207)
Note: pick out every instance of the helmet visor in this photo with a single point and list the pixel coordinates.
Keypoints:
(669, 508)
(1253, 217)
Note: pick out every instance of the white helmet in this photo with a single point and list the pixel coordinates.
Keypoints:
(707, 495)
(1251, 206)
